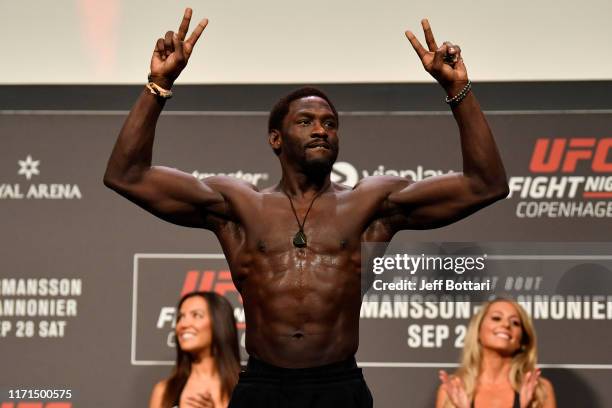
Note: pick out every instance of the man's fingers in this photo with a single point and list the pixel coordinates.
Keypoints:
(416, 44)
(184, 27)
(168, 44)
(439, 57)
(452, 48)
(429, 37)
(453, 53)
(197, 32)
(178, 47)
(159, 48)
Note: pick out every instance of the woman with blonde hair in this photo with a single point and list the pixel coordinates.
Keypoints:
(498, 363)
(207, 355)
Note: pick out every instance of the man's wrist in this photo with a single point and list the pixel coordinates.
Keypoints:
(454, 88)
(161, 81)
(456, 98)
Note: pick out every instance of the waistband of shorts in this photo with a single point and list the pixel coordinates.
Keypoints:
(341, 370)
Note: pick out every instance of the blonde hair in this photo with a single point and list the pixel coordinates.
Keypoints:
(523, 361)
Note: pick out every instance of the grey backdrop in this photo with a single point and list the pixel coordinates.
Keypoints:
(131, 265)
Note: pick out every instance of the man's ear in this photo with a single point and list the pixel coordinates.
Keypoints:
(275, 140)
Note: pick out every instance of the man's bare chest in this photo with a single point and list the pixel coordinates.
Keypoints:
(331, 224)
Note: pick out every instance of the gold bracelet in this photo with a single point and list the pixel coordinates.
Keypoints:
(158, 90)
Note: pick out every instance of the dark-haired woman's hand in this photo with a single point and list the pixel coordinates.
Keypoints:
(200, 400)
(454, 390)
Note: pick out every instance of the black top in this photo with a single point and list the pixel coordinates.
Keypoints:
(515, 404)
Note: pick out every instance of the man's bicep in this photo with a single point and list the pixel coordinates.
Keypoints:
(175, 196)
(434, 202)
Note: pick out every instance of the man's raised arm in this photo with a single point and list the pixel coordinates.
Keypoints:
(441, 200)
(168, 193)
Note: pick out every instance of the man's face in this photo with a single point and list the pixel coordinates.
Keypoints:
(310, 134)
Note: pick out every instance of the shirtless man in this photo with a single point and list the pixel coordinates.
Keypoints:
(294, 248)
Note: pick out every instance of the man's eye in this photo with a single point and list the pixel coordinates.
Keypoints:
(303, 121)
(330, 124)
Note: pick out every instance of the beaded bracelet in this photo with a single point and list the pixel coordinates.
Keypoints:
(455, 100)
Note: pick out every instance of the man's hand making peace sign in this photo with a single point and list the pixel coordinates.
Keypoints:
(172, 52)
(444, 63)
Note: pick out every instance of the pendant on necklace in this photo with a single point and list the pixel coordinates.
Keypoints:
(299, 239)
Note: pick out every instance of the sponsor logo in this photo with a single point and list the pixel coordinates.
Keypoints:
(37, 191)
(346, 173)
(342, 172)
(219, 282)
(570, 177)
(564, 154)
(253, 178)
(209, 281)
(28, 167)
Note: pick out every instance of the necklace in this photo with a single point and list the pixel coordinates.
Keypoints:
(299, 239)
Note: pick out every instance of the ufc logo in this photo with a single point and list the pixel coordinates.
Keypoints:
(208, 281)
(550, 156)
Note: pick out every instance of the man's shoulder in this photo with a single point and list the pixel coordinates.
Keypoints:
(382, 183)
(222, 183)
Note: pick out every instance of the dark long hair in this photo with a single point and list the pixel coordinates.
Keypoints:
(224, 350)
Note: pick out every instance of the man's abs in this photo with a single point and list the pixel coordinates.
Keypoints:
(302, 318)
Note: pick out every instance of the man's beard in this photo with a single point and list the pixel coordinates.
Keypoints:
(320, 167)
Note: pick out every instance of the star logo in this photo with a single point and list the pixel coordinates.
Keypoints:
(28, 167)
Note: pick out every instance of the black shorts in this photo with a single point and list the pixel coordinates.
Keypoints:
(333, 385)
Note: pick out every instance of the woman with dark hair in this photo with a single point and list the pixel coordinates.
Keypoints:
(207, 356)
(498, 364)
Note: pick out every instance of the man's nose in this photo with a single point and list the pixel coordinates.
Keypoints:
(318, 130)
